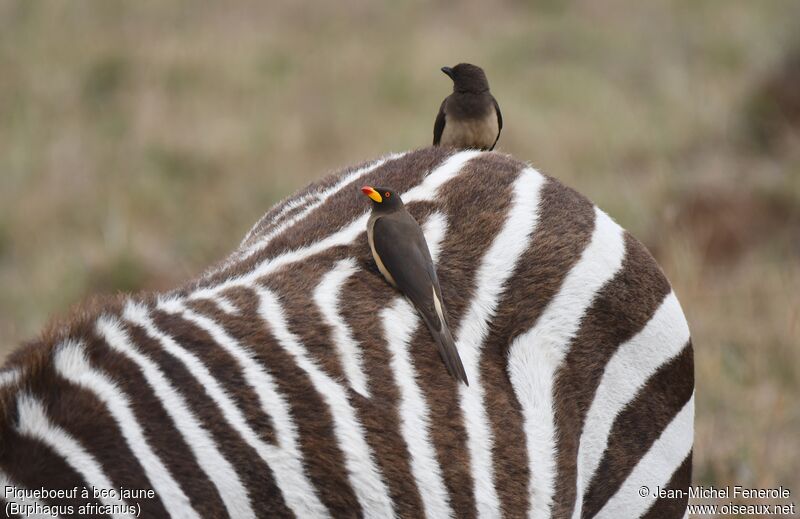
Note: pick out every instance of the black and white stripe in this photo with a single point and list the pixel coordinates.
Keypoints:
(225, 398)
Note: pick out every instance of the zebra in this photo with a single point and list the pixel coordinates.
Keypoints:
(290, 380)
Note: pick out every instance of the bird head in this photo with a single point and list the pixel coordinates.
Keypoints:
(383, 199)
(467, 78)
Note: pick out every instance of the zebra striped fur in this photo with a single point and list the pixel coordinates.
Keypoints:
(290, 380)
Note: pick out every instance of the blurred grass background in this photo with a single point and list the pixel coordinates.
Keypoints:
(140, 140)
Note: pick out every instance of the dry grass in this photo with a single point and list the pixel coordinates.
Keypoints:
(139, 140)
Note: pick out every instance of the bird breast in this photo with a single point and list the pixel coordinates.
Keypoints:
(471, 133)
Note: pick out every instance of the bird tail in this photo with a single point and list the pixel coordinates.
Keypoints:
(449, 353)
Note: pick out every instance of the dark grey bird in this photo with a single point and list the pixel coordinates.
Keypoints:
(401, 253)
(469, 117)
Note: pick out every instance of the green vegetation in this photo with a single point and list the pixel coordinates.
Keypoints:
(140, 140)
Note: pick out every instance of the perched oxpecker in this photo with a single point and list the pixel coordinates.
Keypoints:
(470, 116)
(401, 253)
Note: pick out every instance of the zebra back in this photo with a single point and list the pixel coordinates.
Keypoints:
(290, 379)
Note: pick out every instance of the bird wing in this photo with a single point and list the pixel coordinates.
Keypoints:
(401, 246)
(499, 122)
(438, 126)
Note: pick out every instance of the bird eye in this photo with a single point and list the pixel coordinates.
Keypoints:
(387, 194)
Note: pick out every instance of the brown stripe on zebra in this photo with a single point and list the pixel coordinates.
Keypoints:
(479, 201)
(85, 418)
(640, 424)
(338, 210)
(566, 222)
(302, 198)
(295, 285)
(34, 465)
(3, 504)
(322, 456)
(221, 365)
(367, 296)
(601, 333)
(673, 507)
(254, 472)
(160, 432)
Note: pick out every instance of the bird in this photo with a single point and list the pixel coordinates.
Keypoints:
(402, 256)
(469, 117)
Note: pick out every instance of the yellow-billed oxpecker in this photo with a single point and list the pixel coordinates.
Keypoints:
(470, 116)
(401, 253)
